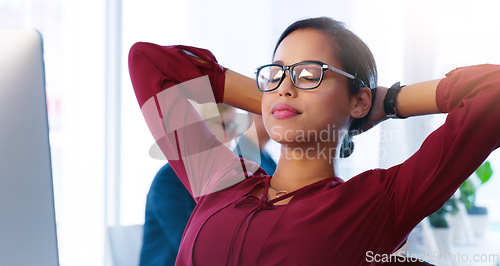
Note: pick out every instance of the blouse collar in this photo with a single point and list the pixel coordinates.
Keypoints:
(262, 180)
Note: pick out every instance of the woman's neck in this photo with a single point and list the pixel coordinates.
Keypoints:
(302, 166)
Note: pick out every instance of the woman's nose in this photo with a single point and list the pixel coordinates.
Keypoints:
(286, 88)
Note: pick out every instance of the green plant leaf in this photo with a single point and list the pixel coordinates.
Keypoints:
(438, 220)
(484, 172)
(468, 193)
(467, 188)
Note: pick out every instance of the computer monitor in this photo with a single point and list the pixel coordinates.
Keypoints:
(27, 216)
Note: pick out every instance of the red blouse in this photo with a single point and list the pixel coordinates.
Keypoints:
(330, 222)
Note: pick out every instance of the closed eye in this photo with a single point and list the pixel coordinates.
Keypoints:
(277, 76)
(308, 76)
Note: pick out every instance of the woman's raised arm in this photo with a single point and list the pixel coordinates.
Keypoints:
(421, 184)
(418, 99)
(241, 92)
(413, 100)
(166, 79)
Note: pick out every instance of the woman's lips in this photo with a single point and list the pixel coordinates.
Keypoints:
(283, 111)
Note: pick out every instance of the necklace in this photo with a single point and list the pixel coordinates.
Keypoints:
(279, 193)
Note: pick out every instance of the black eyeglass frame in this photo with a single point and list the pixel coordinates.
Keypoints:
(324, 67)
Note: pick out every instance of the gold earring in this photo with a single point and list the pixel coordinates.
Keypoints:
(356, 112)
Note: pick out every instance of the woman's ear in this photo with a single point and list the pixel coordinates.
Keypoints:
(361, 103)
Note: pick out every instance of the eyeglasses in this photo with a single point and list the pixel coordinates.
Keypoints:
(304, 75)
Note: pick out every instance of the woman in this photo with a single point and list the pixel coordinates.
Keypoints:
(320, 84)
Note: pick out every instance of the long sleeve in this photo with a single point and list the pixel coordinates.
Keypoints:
(422, 184)
(165, 80)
